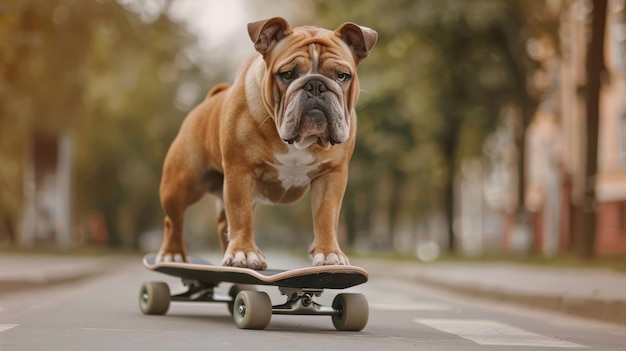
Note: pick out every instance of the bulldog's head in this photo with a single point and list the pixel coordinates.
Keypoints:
(311, 85)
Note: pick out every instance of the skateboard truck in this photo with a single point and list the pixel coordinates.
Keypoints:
(300, 302)
(199, 292)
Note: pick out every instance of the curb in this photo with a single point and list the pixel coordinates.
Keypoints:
(37, 279)
(10, 286)
(606, 310)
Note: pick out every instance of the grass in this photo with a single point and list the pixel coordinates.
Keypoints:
(616, 262)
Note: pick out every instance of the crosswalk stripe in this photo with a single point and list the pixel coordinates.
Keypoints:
(5, 327)
(487, 332)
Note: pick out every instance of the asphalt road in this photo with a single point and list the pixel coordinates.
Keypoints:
(102, 313)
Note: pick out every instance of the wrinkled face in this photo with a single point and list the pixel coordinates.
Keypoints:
(313, 86)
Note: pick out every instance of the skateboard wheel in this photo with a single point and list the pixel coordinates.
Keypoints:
(154, 298)
(252, 310)
(234, 291)
(352, 312)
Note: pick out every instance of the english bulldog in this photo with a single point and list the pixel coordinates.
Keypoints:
(286, 125)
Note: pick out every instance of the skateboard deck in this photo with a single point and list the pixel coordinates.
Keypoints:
(253, 309)
(320, 277)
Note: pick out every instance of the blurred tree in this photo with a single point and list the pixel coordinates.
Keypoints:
(528, 22)
(595, 68)
(11, 129)
(444, 71)
(131, 117)
(117, 80)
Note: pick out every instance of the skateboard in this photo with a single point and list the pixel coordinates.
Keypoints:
(252, 309)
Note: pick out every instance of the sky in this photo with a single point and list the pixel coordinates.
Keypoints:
(221, 26)
(221, 29)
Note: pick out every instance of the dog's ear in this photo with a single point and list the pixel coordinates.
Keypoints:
(266, 33)
(360, 39)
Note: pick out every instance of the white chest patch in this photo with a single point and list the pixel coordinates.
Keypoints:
(294, 166)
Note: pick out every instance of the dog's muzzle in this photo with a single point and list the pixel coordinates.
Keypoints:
(314, 113)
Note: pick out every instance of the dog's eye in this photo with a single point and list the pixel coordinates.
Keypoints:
(343, 77)
(288, 75)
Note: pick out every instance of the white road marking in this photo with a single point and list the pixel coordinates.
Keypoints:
(105, 329)
(5, 327)
(486, 332)
(410, 306)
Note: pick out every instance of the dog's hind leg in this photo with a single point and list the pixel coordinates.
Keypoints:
(173, 247)
(175, 201)
(180, 188)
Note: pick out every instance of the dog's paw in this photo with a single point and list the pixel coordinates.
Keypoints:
(247, 260)
(321, 259)
(170, 255)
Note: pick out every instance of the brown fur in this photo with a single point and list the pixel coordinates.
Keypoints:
(227, 146)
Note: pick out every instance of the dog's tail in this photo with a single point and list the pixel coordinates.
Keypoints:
(218, 88)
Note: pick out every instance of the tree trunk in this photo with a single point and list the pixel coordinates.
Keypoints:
(595, 69)
(527, 105)
(450, 142)
(448, 205)
(522, 217)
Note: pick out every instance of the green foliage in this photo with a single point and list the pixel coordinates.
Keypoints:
(434, 88)
(100, 71)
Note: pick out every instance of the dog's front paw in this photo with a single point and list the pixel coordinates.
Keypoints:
(171, 252)
(169, 256)
(250, 259)
(322, 259)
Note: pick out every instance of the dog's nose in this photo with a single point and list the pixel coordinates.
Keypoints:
(315, 87)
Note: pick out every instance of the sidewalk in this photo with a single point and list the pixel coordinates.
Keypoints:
(22, 271)
(592, 293)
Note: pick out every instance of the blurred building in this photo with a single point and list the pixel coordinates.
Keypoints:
(556, 137)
